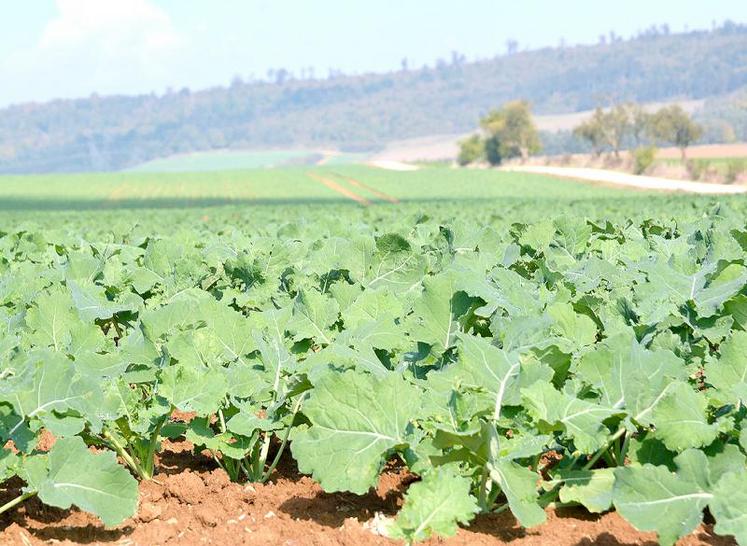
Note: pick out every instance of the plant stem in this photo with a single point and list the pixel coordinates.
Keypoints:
(624, 449)
(126, 457)
(18, 500)
(151, 453)
(276, 460)
(601, 451)
(483, 494)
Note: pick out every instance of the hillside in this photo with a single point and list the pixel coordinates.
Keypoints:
(365, 112)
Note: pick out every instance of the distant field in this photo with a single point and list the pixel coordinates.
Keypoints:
(333, 183)
(227, 160)
(707, 151)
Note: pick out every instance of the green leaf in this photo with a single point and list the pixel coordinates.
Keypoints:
(729, 373)
(436, 312)
(356, 419)
(591, 488)
(95, 483)
(8, 463)
(654, 499)
(313, 315)
(91, 302)
(51, 320)
(435, 505)
(628, 376)
(680, 418)
(519, 485)
(729, 506)
(737, 308)
(581, 420)
(190, 388)
(483, 365)
(578, 329)
(200, 433)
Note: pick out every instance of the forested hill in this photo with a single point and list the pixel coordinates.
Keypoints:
(363, 112)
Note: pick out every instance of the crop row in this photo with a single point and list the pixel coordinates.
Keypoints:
(559, 362)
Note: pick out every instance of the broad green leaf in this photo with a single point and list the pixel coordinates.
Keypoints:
(578, 330)
(483, 365)
(729, 506)
(581, 420)
(356, 420)
(591, 488)
(435, 505)
(628, 376)
(231, 330)
(313, 316)
(436, 312)
(91, 302)
(680, 418)
(8, 463)
(51, 320)
(95, 483)
(234, 446)
(519, 485)
(729, 373)
(48, 384)
(737, 308)
(189, 388)
(654, 499)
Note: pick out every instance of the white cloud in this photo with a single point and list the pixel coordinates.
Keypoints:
(104, 46)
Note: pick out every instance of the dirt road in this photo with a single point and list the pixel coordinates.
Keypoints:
(630, 180)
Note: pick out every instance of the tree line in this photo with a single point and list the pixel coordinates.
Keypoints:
(509, 132)
(669, 125)
(365, 112)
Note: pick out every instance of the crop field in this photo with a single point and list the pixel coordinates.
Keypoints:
(224, 160)
(231, 160)
(334, 184)
(413, 354)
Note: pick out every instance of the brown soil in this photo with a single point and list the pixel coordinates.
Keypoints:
(194, 503)
(707, 151)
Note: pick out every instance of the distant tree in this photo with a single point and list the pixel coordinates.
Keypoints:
(615, 127)
(592, 130)
(640, 122)
(403, 63)
(675, 126)
(471, 150)
(493, 151)
(512, 46)
(510, 132)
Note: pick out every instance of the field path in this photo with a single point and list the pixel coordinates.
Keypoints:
(366, 187)
(630, 180)
(342, 190)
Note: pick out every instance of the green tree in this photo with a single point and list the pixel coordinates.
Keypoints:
(510, 132)
(592, 130)
(471, 150)
(493, 152)
(616, 124)
(675, 126)
(640, 122)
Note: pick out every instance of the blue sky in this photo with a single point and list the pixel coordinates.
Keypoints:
(72, 48)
